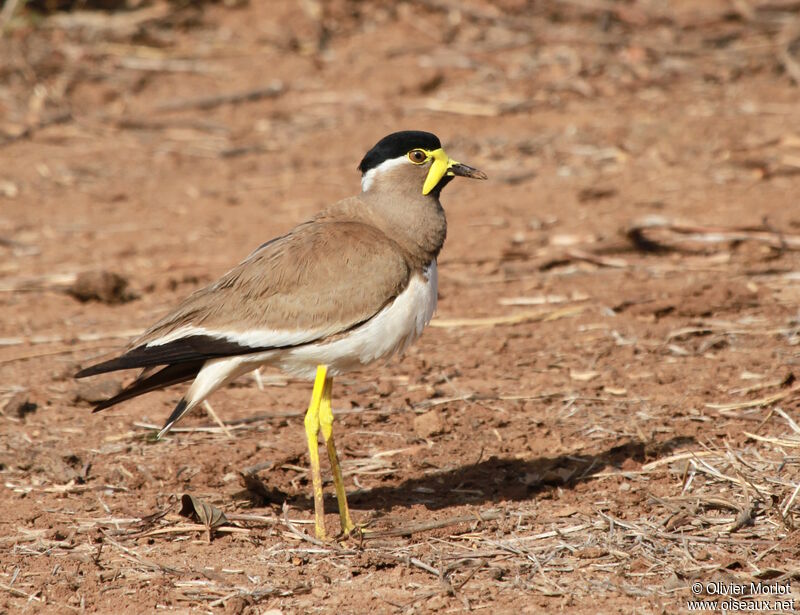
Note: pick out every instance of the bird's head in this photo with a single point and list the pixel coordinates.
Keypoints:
(411, 158)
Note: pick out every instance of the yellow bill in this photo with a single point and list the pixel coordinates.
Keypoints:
(444, 165)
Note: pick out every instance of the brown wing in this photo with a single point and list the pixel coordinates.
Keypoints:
(321, 279)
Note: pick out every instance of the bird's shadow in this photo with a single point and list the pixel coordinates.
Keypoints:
(495, 479)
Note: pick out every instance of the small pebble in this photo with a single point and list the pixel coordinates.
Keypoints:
(428, 424)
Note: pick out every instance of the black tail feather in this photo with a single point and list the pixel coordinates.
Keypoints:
(169, 375)
(181, 409)
(111, 365)
(183, 350)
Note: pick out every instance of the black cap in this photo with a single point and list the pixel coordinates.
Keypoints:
(398, 144)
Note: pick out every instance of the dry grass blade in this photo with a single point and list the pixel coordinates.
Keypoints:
(657, 233)
(57, 117)
(193, 527)
(596, 259)
(673, 458)
(787, 442)
(789, 40)
(9, 8)
(302, 535)
(142, 561)
(120, 24)
(755, 403)
(19, 593)
(276, 88)
(476, 109)
(212, 413)
(65, 345)
(34, 340)
(792, 424)
(511, 319)
(50, 281)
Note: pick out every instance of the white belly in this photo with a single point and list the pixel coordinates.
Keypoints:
(390, 331)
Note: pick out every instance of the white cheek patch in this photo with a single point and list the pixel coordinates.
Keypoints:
(369, 177)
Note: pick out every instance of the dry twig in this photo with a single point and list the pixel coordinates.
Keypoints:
(274, 89)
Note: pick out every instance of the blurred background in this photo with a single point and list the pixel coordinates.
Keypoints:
(592, 105)
(623, 290)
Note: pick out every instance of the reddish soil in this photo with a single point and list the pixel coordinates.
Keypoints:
(557, 440)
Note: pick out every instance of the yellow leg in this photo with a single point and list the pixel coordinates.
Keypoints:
(312, 424)
(326, 424)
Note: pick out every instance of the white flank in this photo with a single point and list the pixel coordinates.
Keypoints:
(255, 338)
(390, 331)
(214, 374)
(369, 177)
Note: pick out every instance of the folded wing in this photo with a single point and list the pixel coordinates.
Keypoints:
(300, 288)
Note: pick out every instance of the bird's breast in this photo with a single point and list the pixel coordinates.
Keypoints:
(391, 330)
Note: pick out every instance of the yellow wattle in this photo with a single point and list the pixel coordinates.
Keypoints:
(441, 162)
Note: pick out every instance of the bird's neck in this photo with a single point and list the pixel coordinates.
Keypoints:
(416, 223)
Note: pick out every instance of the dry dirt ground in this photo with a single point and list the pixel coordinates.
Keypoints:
(602, 412)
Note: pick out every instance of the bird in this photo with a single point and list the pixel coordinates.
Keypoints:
(354, 284)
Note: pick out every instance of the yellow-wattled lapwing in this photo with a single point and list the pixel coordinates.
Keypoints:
(355, 284)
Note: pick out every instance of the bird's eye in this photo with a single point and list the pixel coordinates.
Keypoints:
(417, 156)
